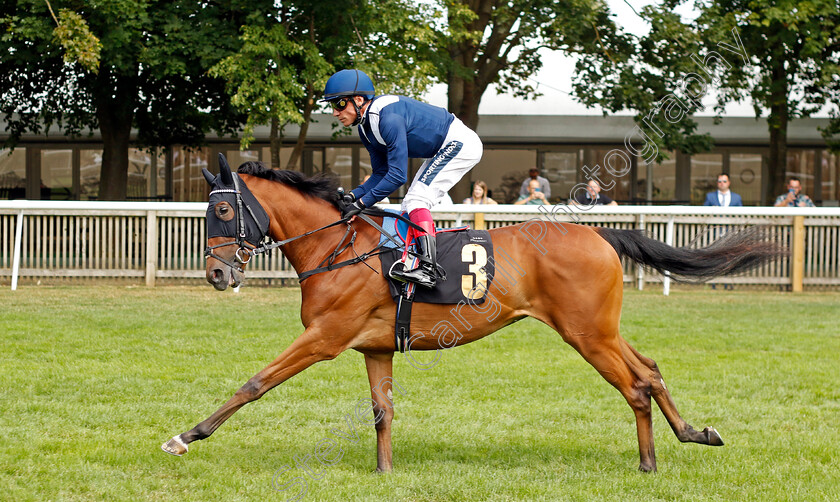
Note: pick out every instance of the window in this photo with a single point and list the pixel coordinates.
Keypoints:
(57, 174)
(503, 171)
(197, 189)
(663, 176)
(616, 186)
(561, 171)
(339, 161)
(90, 169)
(704, 170)
(13, 173)
(285, 155)
(745, 177)
(830, 178)
(800, 163)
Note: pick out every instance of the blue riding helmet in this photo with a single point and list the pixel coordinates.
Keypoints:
(346, 83)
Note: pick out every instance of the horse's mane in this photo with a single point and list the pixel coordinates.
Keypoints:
(323, 186)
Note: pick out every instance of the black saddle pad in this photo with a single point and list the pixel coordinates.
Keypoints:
(467, 257)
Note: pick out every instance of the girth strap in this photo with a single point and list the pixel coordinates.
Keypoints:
(402, 326)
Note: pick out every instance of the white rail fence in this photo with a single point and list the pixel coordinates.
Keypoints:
(146, 241)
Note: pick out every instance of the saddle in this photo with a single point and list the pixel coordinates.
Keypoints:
(465, 255)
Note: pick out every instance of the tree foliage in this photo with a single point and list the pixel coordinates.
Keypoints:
(80, 45)
(280, 71)
(152, 73)
(781, 55)
(487, 42)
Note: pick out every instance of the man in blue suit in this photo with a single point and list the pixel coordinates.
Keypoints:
(723, 196)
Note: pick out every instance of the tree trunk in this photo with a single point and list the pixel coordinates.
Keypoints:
(777, 124)
(304, 128)
(463, 100)
(274, 142)
(472, 72)
(115, 112)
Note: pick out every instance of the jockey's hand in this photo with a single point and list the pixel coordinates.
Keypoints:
(344, 199)
(353, 209)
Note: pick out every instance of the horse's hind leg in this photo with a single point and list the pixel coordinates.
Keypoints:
(605, 355)
(379, 370)
(659, 391)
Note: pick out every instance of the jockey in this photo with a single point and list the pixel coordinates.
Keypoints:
(394, 129)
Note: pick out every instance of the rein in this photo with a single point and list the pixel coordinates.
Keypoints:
(247, 251)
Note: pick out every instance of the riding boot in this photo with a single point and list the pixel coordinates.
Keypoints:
(424, 274)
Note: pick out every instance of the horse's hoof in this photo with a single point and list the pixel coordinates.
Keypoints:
(647, 468)
(175, 446)
(713, 437)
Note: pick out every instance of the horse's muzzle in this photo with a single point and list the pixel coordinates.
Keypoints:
(221, 278)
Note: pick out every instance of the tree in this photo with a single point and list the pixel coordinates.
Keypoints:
(655, 76)
(269, 78)
(491, 42)
(783, 55)
(152, 75)
(285, 60)
(794, 51)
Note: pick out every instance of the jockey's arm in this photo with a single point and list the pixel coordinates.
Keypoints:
(392, 129)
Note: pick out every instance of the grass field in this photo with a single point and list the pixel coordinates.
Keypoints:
(94, 379)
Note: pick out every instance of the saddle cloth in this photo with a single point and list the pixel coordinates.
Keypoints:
(466, 256)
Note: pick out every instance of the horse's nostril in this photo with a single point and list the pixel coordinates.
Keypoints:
(216, 275)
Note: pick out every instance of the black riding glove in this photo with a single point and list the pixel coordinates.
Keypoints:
(353, 209)
(344, 199)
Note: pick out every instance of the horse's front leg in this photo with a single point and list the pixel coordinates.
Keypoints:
(307, 350)
(380, 370)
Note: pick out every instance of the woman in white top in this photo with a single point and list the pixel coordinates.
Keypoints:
(479, 195)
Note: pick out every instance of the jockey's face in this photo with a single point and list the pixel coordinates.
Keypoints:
(347, 114)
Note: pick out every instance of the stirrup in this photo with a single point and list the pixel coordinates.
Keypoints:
(418, 275)
(392, 274)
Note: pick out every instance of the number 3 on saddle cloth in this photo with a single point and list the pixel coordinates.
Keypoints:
(466, 256)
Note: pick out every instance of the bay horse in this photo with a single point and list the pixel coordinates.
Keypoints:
(351, 307)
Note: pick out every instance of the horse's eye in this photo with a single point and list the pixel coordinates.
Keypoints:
(224, 212)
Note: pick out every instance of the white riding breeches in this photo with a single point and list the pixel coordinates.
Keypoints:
(460, 152)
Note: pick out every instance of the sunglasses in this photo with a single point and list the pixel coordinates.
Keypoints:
(723, 181)
(340, 104)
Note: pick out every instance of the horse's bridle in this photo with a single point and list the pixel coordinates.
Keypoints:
(245, 250)
(258, 230)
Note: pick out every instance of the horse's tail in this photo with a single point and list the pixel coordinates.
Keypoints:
(737, 251)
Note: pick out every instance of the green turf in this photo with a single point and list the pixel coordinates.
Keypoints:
(93, 379)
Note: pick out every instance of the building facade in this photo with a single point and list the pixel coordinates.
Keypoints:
(564, 148)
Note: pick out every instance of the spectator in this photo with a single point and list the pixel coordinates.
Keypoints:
(592, 196)
(479, 195)
(535, 196)
(793, 198)
(534, 174)
(724, 197)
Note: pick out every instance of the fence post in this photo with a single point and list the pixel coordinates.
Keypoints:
(669, 240)
(478, 222)
(16, 256)
(797, 268)
(640, 271)
(151, 248)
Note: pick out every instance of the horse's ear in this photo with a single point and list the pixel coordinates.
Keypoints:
(209, 177)
(224, 171)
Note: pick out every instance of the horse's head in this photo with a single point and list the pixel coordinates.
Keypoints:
(236, 225)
